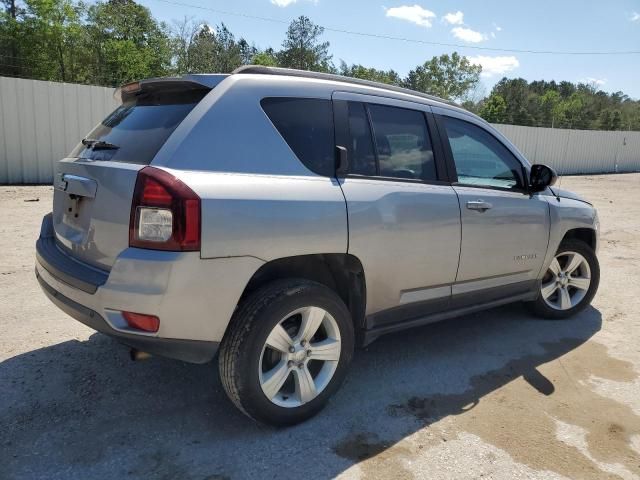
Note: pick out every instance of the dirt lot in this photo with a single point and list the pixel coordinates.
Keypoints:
(492, 395)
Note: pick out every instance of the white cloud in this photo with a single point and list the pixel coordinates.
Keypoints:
(598, 82)
(412, 13)
(286, 3)
(468, 35)
(454, 18)
(495, 65)
(635, 16)
(493, 34)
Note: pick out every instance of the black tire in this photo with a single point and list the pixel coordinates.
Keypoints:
(241, 348)
(540, 308)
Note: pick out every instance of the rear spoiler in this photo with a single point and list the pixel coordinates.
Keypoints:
(186, 82)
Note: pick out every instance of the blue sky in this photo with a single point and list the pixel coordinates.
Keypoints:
(560, 25)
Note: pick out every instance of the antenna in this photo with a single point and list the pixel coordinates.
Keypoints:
(561, 164)
(564, 158)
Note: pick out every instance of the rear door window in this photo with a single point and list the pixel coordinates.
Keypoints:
(403, 143)
(306, 124)
(135, 131)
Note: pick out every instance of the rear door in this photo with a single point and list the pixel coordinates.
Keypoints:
(93, 187)
(404, 219)
(505, 230)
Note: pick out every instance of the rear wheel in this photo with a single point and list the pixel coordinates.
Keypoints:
(570, 282)
(287, 351)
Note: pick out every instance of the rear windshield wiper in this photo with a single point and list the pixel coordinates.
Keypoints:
(99, 144)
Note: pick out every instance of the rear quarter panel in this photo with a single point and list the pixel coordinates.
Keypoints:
(268, 216)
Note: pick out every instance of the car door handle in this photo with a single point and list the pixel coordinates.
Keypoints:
(478, 205)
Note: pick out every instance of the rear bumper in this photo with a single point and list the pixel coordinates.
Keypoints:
(58, 264)
(193, 351)
(194, 298)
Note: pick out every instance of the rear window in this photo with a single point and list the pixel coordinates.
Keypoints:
(135, 131)
(306, 124)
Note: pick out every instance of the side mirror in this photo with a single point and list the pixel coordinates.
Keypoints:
(342, 162)
(541, 177)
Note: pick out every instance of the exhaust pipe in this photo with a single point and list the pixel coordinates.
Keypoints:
(137, 355)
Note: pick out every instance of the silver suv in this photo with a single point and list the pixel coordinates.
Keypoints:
(284, 217)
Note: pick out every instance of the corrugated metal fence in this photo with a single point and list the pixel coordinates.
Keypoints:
(40, 122)
(577, 151)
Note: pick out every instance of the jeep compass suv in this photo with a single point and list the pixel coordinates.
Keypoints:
(284, 217)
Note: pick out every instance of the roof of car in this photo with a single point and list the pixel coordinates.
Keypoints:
(290, 72)
(210, 80)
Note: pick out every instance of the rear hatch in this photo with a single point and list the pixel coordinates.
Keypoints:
(93, 187)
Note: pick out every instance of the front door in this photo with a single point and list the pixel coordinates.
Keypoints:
(505, 230)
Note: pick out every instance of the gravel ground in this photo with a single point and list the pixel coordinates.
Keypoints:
(492, 395)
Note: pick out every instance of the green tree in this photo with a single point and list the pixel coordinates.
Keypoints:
(57, 39)
(571, 111)
(604, 120)
(616, 120)
(229, 53)
(516, 95)
(126, 43)
(447, 76)
(494, 109)
(566, 89)
(202, 51)
(359, 71)
(10, 33)
(42, 39)
(302, 48)
(267, 58)
(198, 48)
(183, 37)
(247, 51)
(549, 108)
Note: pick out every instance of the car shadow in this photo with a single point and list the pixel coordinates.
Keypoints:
(82, 409)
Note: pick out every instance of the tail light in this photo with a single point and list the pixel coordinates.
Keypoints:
(165, 213)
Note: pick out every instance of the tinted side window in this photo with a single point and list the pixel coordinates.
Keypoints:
(403, 143)
(480, 158)
(362, 159)
(306, 124)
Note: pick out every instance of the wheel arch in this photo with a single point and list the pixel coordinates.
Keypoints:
(586, 235)
(341, 272)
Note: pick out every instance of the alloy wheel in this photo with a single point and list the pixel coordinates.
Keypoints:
(567, 281)
(300, 357)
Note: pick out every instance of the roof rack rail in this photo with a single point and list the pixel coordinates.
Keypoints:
(262, 70)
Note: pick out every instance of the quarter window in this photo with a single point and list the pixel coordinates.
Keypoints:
(306, 124)
(480, 158)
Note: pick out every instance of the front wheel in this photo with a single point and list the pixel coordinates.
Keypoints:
(287, 351)
(570, 282)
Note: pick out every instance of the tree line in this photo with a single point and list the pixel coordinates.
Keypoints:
(111, 42)
(559, 105)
